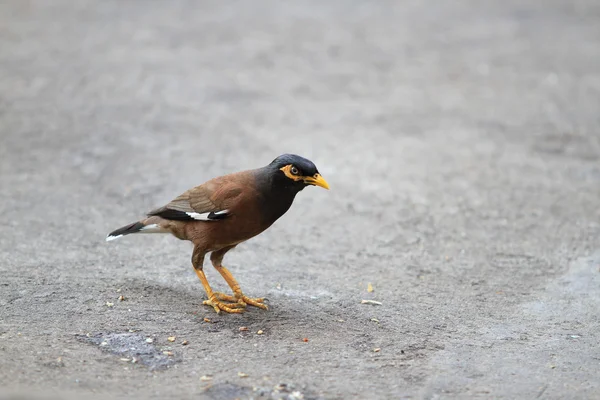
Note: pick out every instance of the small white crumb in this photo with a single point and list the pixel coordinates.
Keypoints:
(372, 302)
(296, 396)
(149, 340)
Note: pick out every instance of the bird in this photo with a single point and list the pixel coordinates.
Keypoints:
(225, 211)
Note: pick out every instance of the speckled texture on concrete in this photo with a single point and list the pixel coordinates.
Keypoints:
(462, 144)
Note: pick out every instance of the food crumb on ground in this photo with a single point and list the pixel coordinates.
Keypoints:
(372, 302)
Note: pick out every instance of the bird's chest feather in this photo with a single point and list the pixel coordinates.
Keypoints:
(245, 221)
(261, 214)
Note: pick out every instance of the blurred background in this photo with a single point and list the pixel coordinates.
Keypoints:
(461, 142)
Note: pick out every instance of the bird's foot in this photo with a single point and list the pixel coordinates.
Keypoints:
(242, 300)
(256, 302)
(236, 308)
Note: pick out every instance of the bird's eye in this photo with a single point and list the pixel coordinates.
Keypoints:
(294, 170)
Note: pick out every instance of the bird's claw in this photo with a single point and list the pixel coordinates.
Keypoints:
(235, 308)
(226, 297)
(256, 302)
(242, 300)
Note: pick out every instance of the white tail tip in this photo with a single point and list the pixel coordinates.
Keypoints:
(110, 238)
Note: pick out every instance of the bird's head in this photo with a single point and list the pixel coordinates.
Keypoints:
(299, 171)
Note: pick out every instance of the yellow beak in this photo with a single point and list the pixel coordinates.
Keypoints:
(316, 180)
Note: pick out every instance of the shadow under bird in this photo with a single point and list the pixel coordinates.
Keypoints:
(226, 211)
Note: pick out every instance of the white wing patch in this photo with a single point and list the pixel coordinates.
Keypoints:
(209, 216)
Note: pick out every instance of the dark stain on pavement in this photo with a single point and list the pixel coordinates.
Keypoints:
(134, 347)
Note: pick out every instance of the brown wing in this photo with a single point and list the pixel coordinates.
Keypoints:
(210, 201)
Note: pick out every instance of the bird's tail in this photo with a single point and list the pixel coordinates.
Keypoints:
(136, 227)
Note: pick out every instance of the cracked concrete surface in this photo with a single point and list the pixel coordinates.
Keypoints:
(462, 145)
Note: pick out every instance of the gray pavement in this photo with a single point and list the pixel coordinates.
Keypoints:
(461, 141)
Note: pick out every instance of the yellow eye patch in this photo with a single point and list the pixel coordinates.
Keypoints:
(287, 170)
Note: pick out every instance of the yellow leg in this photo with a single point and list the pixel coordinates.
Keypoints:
(212, 298)
(237, 291)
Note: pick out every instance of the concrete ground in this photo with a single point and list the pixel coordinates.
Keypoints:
(462, 144)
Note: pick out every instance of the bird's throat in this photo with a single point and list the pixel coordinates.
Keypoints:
(277, 195)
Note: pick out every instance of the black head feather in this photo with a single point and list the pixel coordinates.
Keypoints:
(305, 166)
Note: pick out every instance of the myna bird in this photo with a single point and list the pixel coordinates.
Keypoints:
(226, 211)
